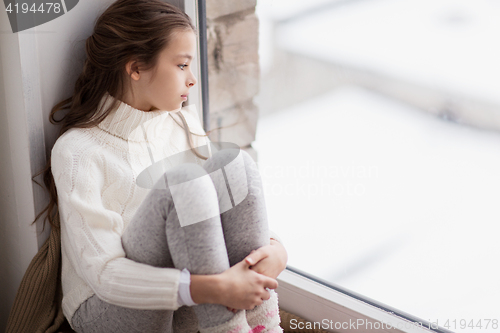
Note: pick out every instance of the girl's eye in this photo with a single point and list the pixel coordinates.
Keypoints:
(182, 66)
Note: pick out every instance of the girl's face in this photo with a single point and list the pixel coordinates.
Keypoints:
(170, 86)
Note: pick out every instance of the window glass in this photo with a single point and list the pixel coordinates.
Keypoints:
(378, 143)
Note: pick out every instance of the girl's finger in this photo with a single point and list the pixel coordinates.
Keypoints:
(254, 257)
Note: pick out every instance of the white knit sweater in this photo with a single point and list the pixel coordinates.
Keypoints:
(95, 171)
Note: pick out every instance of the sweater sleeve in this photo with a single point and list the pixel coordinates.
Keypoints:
(91, 240)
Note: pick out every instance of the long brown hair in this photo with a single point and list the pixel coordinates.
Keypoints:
(126, 30)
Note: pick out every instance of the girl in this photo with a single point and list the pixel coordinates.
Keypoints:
(169, 257)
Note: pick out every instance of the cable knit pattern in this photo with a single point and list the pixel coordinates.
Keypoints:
(95, 171)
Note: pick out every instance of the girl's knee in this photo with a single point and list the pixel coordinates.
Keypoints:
(249, 161)
(226, 156)
(184, 172)
(220, 159)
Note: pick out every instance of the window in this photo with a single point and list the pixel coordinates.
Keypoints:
(378, 145)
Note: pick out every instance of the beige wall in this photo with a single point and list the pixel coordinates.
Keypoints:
(233, 70)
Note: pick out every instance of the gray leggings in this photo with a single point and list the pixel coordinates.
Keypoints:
(156, 236)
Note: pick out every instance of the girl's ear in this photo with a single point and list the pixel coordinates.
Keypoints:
(132, 69)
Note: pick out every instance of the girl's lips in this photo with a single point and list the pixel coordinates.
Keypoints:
(184, 97)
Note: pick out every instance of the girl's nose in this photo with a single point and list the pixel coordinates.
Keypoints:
(191, 81)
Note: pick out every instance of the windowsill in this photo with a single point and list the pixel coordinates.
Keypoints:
(336, 311)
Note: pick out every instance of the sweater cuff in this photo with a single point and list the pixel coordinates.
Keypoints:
(184, 294)
(275, 237)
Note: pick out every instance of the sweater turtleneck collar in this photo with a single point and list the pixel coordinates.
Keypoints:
(123, 121)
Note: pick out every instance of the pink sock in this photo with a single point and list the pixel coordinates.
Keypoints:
(265, 318)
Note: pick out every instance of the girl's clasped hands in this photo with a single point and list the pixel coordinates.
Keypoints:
(249, 279)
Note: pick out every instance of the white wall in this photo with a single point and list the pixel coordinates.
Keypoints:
(17, 239)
